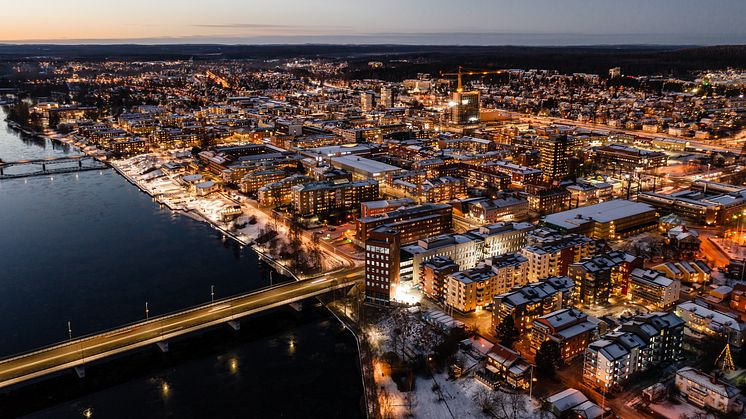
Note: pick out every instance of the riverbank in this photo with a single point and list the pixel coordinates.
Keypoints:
(114, 250)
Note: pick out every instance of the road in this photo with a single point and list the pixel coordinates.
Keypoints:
(712, 253)
(79, 351)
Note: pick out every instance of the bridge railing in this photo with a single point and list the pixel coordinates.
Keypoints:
(151, 320)
(49, 160)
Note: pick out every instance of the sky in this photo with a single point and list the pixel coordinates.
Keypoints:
(459, 22)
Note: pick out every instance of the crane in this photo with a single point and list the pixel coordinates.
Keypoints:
(461, 73)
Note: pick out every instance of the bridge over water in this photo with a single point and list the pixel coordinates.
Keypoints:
(75, 353)
(70, 164)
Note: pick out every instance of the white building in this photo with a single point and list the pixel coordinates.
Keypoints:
(635, 346)
(701, 322)
(654, 288)
(708, 392)
(465, 250)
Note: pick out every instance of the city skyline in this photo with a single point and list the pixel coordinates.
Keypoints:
(536, 22)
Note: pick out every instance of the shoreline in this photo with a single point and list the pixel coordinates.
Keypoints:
(365, 365)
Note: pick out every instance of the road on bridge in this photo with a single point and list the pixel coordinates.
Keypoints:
(79, 351)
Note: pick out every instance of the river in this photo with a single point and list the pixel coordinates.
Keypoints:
(91, 249)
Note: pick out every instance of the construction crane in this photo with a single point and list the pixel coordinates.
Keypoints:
(461, 73)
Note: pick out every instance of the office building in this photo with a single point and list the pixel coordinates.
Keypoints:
(465, 107)
(610, 220)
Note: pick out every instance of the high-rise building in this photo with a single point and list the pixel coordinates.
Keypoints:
(381, 265)
(465, 108)
(387, 97)
(555, 152)
(367, 101)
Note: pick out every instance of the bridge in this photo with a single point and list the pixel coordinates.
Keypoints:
(79, 164)
(75, 353)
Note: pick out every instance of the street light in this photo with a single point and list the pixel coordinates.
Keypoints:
(212, 293)
(147, 311)
(69, 330)
(531, 384)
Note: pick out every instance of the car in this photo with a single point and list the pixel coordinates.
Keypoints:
(332, 229)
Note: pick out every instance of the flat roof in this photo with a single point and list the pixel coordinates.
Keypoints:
(603, 212)
(365, 165)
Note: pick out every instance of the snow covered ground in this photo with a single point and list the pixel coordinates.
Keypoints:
(435, 396)
(172, 192)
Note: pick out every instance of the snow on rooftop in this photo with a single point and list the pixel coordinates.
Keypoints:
(603, 212)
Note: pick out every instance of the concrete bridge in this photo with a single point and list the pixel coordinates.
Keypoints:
(79, 164)
(75, 353)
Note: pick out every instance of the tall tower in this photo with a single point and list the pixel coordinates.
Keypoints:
(367, 101)
(465, 107)
(554, 156)
(387, 97)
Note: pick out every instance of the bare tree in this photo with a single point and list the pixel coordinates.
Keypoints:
(510, 405)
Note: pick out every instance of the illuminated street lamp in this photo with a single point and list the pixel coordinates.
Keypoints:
(147, 311)
(531, 384)
(212, 293)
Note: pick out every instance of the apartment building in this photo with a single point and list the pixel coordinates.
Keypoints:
(570, 328)
(708, 392)
(324, 198)
(413, 223)
(553, 256)
(651, 287)
(702, 322)
(532, 300)
(603, 276)
(634, 347)
(434, 278)
(279, 193)
(476, 288)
